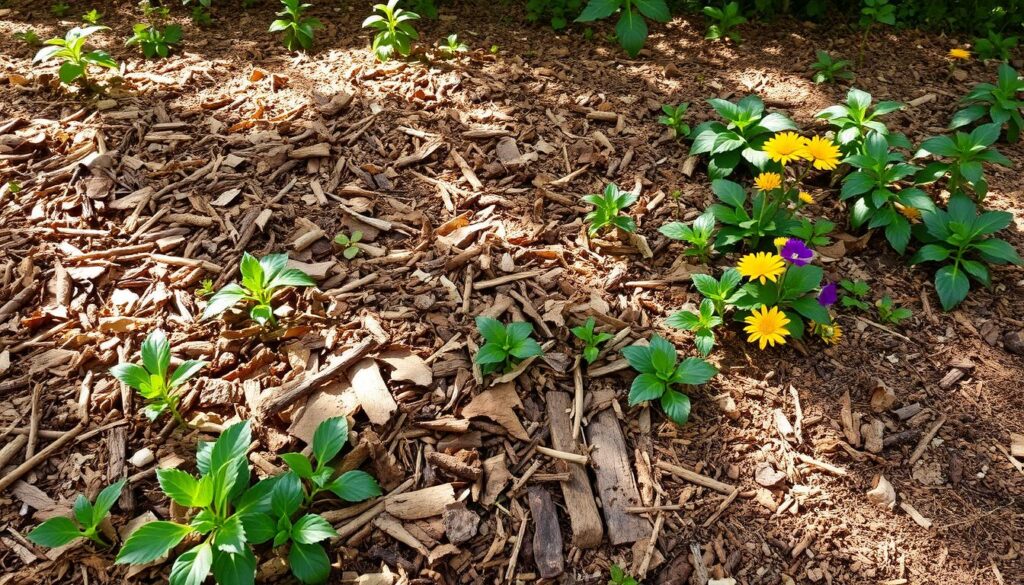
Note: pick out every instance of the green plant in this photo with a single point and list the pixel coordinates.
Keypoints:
(960, 238)
(154, 11)
(29, 37)
(607, 210)
(59, 9)
(504, 345)
(700, 236)
(722, 293)
(88, 516)
(557, 12)
(724, 21)
(201, 15)
(767, 218)
(702, 324)
(855, 119)
(452, 46)
(995, 46)
(631, 29)
(813, 233)
(590, 339)
(205, 288)
(887, 313)
(795, 293)
(854, 294)
(874, 192)
(660, 372)
(966, 154)
(395, 31)
(828, 70)
(154, 41)
(999, 101)
(70, 51)
(873, 12)
(349, 249)
(620, 577)
(746, 129)
(675, 119)
(150, 379)
(261, 280)
(92, 17)
(298, 29)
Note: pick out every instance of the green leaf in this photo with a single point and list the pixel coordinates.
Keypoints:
(705, 341)
(286, 497)
(224, 299)
(683, 320)
(156, 353)
(490, 353)
(355, 486)
(729, 192)
(183, 372)
(83, 509)
(654, 9)
(812, 310)
(676, 406)
(663, 355)
(639, 357)
(598, 9)
(312, 528)
(69, 72)
(55, 532)
(291, 277)
(231, 537)
(645, 387)
(632, 32)
(309, 562)
(997, 251)
(106, 500)
(693, 371)
(526, 348)
(952, 286)
(298, 463)
(329, 438)
(192, 567)
(706, 284)
(590, 353)
(152, 541)
(132, 375)
(800, 280)
(234, 569)
(491, 329)
(253, 276)
(517, 332)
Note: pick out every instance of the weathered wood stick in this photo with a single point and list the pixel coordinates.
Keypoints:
(695, 478)
(34, 461)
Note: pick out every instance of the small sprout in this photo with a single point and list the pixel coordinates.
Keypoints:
(329, 439)
(607, 208)
(674, 118)
(205, 288)
(965, 154)
(348, 244)
(59, 9)
(261, 279)
(92, 17)
(829, 70)
(150, 379)
(504, 345)
(201, 16)
(660, 372)
(814, 233)
(854, 294)
(88, 516)
(874, 12)
(495, 49)
(619, 577)
(998, 101)
(702, 324)
(590, 338)
(154, 41)
(29, 37)
(888, 313)
(70, 51)
(13, 187)
(724, 22)
(395, 31)
(700, 236)
(298, 30)
(995, 46)
(452, 46)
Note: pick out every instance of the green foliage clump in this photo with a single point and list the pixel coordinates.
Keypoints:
(1001, 102)
(150, 379)
(608, 209)
(766, 218)
(153, 40)
(631, 29)
(854, 294)
(855, 119)
(74, 59)
(558, 13)
(349, 249)
(261, 280)
(395, 31)
(452, 46)
(724, 22)
(92, 17)
(675, 119)
(795, 294)
(660, 373)
(700, 236)
(965, 156)
(86, 522)
(889, 313)
(29, 37)
(619, 577)
(995, 46)
(505, 346)
(829, 70)
(298, 29)
(590, 339)
(741, 137)
(702, 324)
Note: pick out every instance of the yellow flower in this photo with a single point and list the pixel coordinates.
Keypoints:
(806, 198)
(768, 181)
(911, 213)
(785, 147)
(958, 53)
(830, 334)
(780, 242)
(761, 266)
(823, 153)
(767, 327)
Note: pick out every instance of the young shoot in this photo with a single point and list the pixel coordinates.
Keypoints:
(261, 280)
(298, 29)
(829, 70)
(150, 378)
(74, 59)
(85, 522)
(590, 338)
(505, 346)
(700, 236)
(660, 373)
(395, 32)
(608, 208)
(675, 119)
(889, 313)
(349, 249)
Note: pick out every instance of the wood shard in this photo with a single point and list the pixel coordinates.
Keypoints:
(497, 403)
(423, 503)
(587, 530)
(547, 536)
(372, 392)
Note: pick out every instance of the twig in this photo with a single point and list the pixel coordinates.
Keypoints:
(927, 438)
(571, 457)
(34, 461)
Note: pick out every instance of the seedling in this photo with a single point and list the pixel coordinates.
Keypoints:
(329, 438)
(854, 295)
(961, 239)
(766, 218)
(86, 522)
(746, 129)
(557, 12)
(790, 288)
(92, 17)
(724, 22)
(661, 372)
(619, 577)
(201, 16)
(631, 29)
(349, 249)
(966, 155)
(887, 313)
(700, 236)
(452, 46)
(829, 70)
(153, 40)
(855, 119)
(1001, 102)
(205, 288)
(29, 37)
(995, 46)
(722, 292)
(261, 280)
(702, 324)
(814, 233)
(395, 31)
(150, 378)
(70, 51)
(874, 12)
(298, 29)
(59, 9)
(590, 339)
(504, 345)
(674, 118)
(608, 208)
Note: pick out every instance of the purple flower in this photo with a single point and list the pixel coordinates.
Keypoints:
(796, 252)
(828, 295)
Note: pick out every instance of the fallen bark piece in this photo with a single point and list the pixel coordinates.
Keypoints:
(394, 529)
(460, 524)
(1016, 445)
(882, 493)
(423, 503)
(615, 481)
(496, 477)
(407, 367)
(455, 465)
(916, 516)
(587, 530)
(372, 392)
(497, 403)
(547, 536)
(316, 151)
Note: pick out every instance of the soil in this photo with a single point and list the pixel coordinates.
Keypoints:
(518, 115)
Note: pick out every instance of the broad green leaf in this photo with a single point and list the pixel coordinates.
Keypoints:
(654, 9)
(355, 486)
(83, 510)
(639, 357)
(193, 566)
(309, 562)
(329, 438)
(952, 286)
(693, 371)
(663, 355)
(298, 463)
(259, 528)
(490, 353)
(151, 541)
(231, 536)
(491, 329)
(291, 277)
(184, 372)
(105, 500)
(526, 348)
(645, 387)
(55, 532)
(632, 32)
(156, 353)
(131, 375)
(253, 275)
(517, 332)
(232, 444)
(705, 341)
(312, 528)
(997, 251)
(184, 489)
(286, 496)
(234, 569)
(69, 72)
(676, 406)
(598, 10)
(224, 299)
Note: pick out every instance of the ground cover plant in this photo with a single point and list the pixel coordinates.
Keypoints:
(261, 280)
